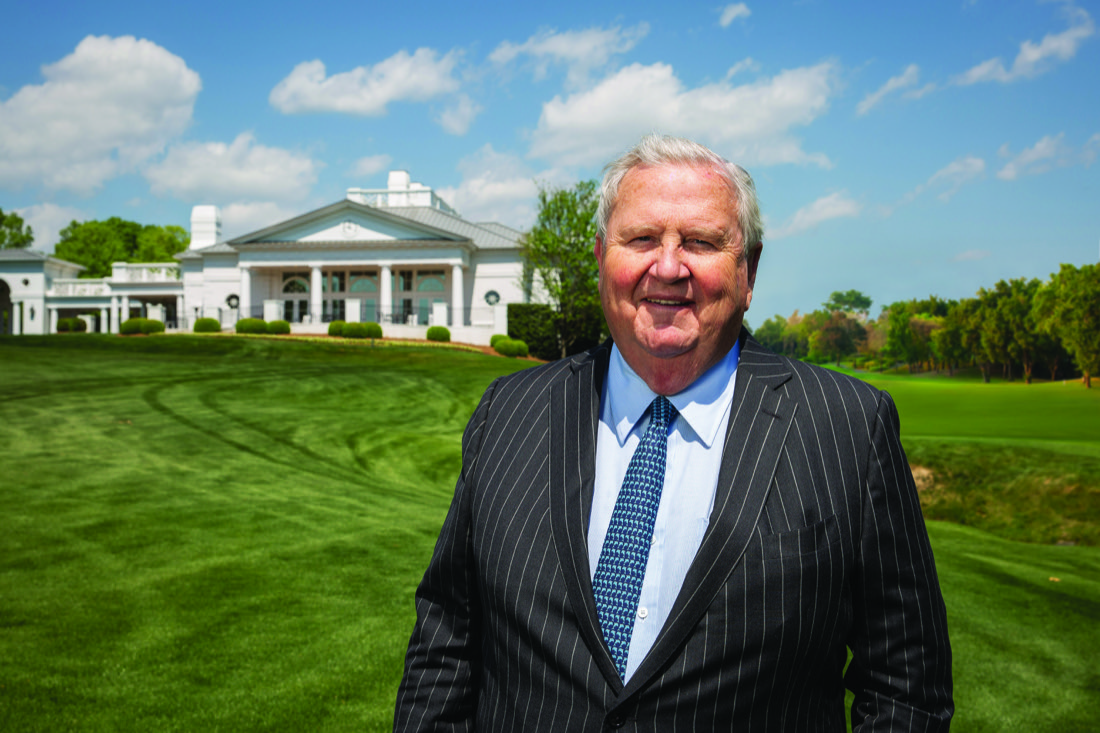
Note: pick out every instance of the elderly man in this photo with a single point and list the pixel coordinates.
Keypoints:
(682, 530)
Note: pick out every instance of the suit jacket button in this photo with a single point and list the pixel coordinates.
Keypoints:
(616, 721)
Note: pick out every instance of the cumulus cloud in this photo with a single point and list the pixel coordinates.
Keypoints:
(731, 13)
(497, 187)
(239, 218)
(750, 123)
(1039, 158)
(954, 175)
(370, 165)
(241, 170)
(47, 220)
(1036, 58)
(457, 118)
(581, 52)
(103, 110)
(746, 64)
(907, 78)
(367, 90)
(834, 206)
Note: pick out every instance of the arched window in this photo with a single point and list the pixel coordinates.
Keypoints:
(363, 283)
(296, 285)
(430, 282)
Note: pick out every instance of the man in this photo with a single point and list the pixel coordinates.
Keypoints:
(682, 531)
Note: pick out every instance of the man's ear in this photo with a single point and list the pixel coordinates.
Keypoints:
(752, 261)
(597, 249)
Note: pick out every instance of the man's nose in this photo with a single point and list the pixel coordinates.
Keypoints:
(669, 265)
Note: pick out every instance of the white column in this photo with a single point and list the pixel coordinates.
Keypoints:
(114, 314)
(51, 323)
(125, 315)
(180, 315)
(16, 319)
(458, 292)
(315, 295)
(246, 293)
(385, 294)
(103, 322)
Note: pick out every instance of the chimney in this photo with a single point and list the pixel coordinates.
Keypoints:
(206, 226)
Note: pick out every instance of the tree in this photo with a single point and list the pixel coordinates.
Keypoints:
(558, 253)
(1069, 307)
(851, 301)
(899, 334)
(14, 234)
(98, 244)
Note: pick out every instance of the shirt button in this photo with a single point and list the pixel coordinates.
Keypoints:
(643, 613)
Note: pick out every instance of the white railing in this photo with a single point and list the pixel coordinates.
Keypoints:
(384, 197)
(76, 287)
(156, 272)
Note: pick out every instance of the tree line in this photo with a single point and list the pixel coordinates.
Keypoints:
(1018, 327)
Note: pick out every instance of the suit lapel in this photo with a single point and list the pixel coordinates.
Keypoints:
(574, 418)
(759, 421)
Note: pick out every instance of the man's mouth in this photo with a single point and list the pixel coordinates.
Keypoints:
(666, 301)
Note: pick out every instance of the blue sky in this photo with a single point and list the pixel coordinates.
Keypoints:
(899, 149)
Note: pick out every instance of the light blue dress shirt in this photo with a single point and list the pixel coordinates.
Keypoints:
(695, 443)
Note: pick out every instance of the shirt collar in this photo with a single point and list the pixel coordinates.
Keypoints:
(702, 405)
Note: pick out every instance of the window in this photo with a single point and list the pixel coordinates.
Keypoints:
(295, 285)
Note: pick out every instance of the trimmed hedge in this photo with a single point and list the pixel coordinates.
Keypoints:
(374, 331)
(336, 328)
(131, 326)
(511, 347)
(438, 333)
(208, 325)
(279, 328)
(533, 323)
(355, 331)
(496, 337)
(251, 325)
(151, 325)
(71, 325)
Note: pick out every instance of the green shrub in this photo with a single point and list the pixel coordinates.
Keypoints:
(280, 328)
(496, 337)
(251, 325)
(374, 331)
(438, 333)
(511, 347)
(208, 325)
(336, 328)
(151, 325)
(534, 324)
(79, 325)
(355, 331)
(130, 327)
(64, 325)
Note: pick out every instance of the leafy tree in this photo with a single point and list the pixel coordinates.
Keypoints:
(948, 341)
(14, 234)
(1069, 307)
(851, 301)
(770, 333)
(99, 244)
(1015, 308)
(836, 337)
(558, 252)
(899, 334)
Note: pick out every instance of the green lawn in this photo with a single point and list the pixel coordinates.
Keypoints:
(225, 534)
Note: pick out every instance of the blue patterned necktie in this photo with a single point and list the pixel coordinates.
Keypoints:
(621, 568)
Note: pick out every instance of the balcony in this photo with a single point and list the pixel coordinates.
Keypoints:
(74, 287)
(153, 272)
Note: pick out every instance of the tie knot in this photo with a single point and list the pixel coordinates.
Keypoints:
(663, 412)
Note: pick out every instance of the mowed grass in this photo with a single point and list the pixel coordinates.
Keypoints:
(225, 534)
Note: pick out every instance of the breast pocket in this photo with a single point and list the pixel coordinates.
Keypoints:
(812, 540)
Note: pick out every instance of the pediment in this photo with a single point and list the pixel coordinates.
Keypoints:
(346, 221)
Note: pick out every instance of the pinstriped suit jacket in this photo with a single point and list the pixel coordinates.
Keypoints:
(816, 543)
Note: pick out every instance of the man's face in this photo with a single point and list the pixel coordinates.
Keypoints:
(673, 282)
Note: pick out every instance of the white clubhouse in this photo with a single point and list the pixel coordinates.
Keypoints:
(399, 256)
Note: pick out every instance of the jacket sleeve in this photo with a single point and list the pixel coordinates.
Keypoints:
(900, 670)
(439, 689)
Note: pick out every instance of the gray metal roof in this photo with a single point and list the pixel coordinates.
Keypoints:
(20, 254)
(483, 237)
(503, 230)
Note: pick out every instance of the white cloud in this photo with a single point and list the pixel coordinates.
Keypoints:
(580, 51)
(971, 255)
(1091, 150)
(749, 123)
(457, 118)
(746, 64)
(731, 13)
(1036, 58)
(241, 170)
(370, 165)
(239, 219)
(1039, 158)
(47, 220)
(103, 110)
(496, 187)
(954, 175)
(918, 93)
(907, 78)
(834, 206)
(366, 90)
